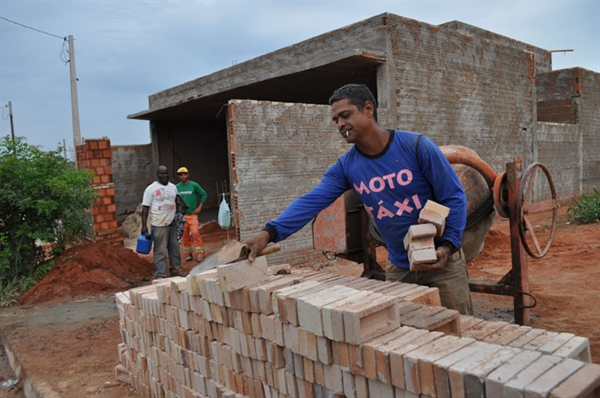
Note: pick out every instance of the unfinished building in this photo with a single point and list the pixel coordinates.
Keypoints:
(264, 127)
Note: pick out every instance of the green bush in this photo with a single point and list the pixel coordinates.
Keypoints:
(586, 209)
(42, 200)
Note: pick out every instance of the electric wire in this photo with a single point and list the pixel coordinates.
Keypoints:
(29, 27)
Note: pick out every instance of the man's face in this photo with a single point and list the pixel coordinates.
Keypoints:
(183, 177)
(163, 175)
(349, 120)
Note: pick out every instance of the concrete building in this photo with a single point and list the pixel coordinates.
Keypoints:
(263, 129)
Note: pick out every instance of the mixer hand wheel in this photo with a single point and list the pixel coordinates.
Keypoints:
(524, 207)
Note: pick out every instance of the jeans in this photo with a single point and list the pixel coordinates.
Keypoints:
(165, 240)
(452, 281)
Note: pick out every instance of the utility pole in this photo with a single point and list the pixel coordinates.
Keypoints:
(12, 127)
(74, 101)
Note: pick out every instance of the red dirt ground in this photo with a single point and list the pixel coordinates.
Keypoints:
(67, 338)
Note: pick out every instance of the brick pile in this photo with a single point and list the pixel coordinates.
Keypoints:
(95, 155)
(314, 334)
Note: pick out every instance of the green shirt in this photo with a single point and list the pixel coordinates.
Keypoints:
(192, 194)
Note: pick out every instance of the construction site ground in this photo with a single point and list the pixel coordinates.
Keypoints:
(65, 331)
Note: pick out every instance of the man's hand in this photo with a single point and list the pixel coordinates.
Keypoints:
(256, 243)
(442, 254)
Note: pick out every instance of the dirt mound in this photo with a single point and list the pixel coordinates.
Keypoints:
(90, 269)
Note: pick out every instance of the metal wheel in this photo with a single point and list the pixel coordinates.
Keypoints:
(524, 208)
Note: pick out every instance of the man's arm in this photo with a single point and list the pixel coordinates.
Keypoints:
(145, 220)
(201, 196)
(300, 211)
(448, 191)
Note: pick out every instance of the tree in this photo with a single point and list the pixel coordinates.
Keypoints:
(42, 200)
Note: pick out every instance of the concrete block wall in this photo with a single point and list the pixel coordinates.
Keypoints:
(556, 145)
(572, 96)
(96, 155)
(278, 151)
(133, 171)
(187, 337)
(459, 88)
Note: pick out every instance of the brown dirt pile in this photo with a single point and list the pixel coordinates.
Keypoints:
(90, 269)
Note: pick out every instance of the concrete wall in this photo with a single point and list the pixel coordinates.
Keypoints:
(557, 146)
(461, 89)
(133, 171)
(573, 96)
(279, 151)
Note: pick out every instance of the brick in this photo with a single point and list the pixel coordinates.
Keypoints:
(438, 208)
(390, 356)
(515, 387)
(422, 243)
(264, 292)
(332, 316)
(584, 382)
(474, 378)
(419, 231)
(348, 384)
(309, 307)
(435, 319)
(553, 344)
(361, 386)
(324, 350)
(423, 256)
(577, 347)
(309, 369)
(379, 389)
(369, 347)
(279, 296)
(467, 322)
(526, 338)
(483, 329)
(432, 217)
(539, 341)
(376, 315)
(333, 378)
(340, 354)
(242, 273)
(440, 366)
(541, 387)
(505, 335)
(355, 359)
(494, 382)
(418, 374)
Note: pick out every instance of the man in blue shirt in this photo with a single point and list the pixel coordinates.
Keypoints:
(394, 173)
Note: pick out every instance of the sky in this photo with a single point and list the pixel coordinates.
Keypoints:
(127, 50)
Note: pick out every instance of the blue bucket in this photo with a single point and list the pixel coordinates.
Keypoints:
(144, 244)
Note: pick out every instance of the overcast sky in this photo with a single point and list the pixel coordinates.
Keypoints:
(128, 50)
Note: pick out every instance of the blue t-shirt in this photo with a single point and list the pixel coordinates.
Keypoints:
(393, 185)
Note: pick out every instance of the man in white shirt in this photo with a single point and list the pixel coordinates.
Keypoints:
(160, 200)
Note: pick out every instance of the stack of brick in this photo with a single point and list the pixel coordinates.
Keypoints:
(310, 334)
(96, 155)
(419, 241)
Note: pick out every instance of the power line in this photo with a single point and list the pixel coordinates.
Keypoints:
(37, 30)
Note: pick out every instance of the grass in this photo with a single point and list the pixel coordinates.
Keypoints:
(586, 209)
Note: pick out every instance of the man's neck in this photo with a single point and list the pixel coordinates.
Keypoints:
(375, 142)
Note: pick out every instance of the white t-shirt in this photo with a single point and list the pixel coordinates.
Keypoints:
(161, 200)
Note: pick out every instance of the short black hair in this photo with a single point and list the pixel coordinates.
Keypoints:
(356, 94)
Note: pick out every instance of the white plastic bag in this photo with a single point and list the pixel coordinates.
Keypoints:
(224, 217)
